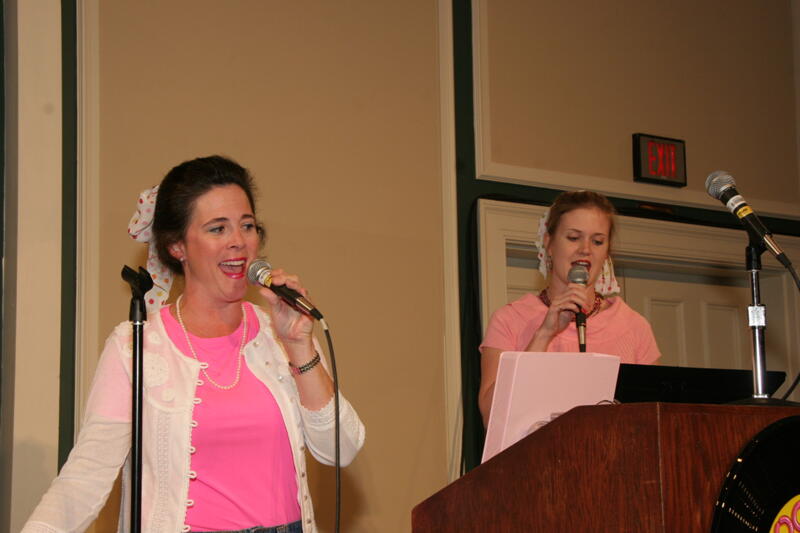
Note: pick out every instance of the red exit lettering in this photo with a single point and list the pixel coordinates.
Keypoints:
(661, 159)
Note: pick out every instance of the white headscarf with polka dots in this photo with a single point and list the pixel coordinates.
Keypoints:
(140, 229)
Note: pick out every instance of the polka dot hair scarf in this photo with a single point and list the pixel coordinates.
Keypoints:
(140, 229)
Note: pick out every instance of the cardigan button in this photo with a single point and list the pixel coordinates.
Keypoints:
(193, 423)
(192, 449)
(192, 474)
(189, 503)
(196, 400)
(200, 382)
(186, 529)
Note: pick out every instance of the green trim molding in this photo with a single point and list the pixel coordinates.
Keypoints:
(69, 169)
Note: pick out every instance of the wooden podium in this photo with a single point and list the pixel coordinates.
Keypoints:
(647, 467)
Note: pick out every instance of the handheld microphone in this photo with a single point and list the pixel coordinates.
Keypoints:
(580, 274)
(721, 185)
(260, 273)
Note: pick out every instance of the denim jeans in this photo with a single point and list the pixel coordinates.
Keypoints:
(294, 527)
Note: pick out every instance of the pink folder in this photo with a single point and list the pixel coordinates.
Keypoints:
(534, 387)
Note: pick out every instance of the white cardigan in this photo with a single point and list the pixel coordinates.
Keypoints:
(79, 492)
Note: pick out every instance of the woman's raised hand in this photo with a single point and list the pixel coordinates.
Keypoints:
(290, 325)
(560, 313)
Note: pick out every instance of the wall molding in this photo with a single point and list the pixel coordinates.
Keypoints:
(452, 345)
(88, 230)
(489, 169)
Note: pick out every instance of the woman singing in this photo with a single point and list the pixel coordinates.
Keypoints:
(577, 231)
(233, 394)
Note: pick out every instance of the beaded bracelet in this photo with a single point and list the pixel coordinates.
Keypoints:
(302, 369)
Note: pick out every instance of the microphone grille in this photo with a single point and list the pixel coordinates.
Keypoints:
(256, 268)
(578, 274)
(718, 181)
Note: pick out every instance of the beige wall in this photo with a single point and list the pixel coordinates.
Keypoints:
(335, 109)
(563, 86)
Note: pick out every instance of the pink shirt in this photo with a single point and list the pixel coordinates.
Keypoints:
(242, 457)
(617, 330)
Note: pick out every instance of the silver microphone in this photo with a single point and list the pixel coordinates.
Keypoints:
(260, 273)
(580, 274)
(722, 186)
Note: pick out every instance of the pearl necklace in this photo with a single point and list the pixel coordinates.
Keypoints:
(191, 348)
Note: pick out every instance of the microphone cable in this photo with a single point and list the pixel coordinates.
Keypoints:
(793, 272)
(259, 273)
(337, 447)
(791, 388)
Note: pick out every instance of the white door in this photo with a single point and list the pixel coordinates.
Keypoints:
(698, 320)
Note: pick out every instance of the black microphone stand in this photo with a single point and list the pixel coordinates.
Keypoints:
(140, 283)
(757, 320)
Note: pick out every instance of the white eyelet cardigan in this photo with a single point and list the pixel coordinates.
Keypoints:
(79, 492)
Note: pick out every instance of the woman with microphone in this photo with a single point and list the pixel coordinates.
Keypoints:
(574, 235)
(233, 394)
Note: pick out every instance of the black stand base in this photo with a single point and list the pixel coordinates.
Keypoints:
(769, 402)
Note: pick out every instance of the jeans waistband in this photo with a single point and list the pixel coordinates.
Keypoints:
(294, 527)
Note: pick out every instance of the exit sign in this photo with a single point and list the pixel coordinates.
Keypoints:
(659, 160)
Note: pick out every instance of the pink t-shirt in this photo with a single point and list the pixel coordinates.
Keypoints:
(242, 458)
(617, 330)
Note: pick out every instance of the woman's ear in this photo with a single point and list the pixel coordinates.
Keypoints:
(546, 242)
(177, 251)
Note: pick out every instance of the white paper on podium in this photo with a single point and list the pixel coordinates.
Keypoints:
(532, 387)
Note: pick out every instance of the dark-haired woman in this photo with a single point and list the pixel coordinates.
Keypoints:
(577, 229)
(233, 394)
